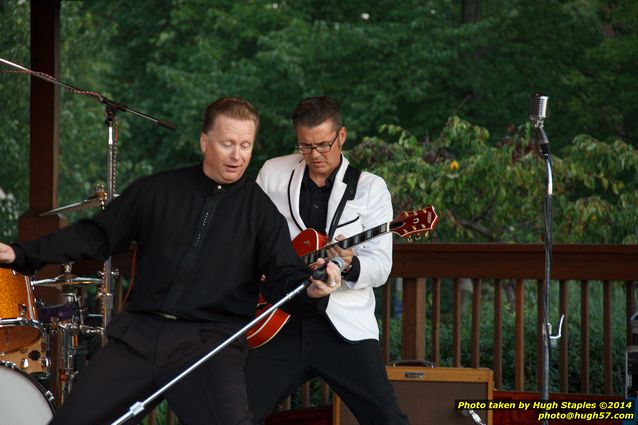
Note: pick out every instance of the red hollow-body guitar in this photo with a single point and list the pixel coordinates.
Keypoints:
(311, 245)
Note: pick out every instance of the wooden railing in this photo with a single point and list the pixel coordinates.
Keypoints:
(582, 265)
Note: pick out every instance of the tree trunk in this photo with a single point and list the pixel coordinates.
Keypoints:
(471, 11)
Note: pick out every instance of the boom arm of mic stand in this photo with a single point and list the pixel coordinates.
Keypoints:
(138, 407)
(122, 107)
(98, 96)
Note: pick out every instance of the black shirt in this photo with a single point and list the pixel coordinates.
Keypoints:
(313, 209)
(202, 246)
(313, 201)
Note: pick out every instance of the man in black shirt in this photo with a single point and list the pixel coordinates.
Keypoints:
(205, 235)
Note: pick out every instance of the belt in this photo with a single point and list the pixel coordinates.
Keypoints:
(165, 315)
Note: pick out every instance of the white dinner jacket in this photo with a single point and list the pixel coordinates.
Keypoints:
(351, 307)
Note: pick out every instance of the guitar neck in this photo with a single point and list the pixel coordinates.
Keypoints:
(357, 239)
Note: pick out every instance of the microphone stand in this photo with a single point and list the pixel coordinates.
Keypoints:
(139, 406)
(541, 137)
(105, 295)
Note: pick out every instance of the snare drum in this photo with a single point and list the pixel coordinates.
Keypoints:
(22, 400)
(19, 326)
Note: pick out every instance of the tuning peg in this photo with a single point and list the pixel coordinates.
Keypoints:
(410, 239)
(418, 237)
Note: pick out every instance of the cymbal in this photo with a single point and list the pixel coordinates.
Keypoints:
(98, 199)
(67, 280)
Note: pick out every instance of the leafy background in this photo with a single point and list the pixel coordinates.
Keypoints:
(454, 78)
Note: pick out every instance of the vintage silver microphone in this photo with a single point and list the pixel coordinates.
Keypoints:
(538, 108)
(538, 113)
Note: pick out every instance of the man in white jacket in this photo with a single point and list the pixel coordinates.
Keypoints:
(340, 343)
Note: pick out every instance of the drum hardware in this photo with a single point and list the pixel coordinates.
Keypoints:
(97, 199)
(70, 332)
(67, 281)
(91, 330)
(67, 320)
(9, 364)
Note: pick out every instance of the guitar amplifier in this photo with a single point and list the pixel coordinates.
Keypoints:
(428, 395)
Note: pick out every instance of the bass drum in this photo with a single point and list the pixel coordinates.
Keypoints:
(32, 360)
(22, 400)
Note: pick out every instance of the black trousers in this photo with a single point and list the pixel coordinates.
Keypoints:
(310, 348)
(146, 351)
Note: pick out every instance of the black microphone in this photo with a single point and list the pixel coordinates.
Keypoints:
(321, 274)
(538, 108)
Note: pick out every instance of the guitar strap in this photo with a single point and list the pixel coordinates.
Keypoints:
(351, 179)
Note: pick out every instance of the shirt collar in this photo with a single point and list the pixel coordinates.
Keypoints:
(210, 187)
(307, 182)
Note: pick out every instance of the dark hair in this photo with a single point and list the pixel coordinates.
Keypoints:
(233, 107)
(312, 111)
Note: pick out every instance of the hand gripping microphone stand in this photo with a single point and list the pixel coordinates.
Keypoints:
(538, 110)
(139, 406)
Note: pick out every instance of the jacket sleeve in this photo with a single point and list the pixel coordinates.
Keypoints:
(375, 255)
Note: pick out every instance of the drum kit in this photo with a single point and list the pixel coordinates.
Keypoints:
(27, 329)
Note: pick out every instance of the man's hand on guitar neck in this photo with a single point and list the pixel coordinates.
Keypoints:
(345, 254)
(319, 288)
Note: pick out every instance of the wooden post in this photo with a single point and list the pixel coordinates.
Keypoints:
(413, 324)
(44, 148)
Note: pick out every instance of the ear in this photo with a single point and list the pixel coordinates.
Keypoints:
(343, 135)
(203, 140)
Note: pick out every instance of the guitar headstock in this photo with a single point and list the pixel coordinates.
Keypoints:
(409, 223)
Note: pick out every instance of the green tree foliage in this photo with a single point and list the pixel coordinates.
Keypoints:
(411, 66)
(606, 82)
(494, 192)
(83, 132)
(14, 117)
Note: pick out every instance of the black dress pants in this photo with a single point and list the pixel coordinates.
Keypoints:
(146, 351)
(310, 348)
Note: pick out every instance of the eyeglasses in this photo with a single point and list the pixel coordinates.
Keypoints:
(321, 147)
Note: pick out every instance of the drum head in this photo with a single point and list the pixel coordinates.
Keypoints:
(22, 399)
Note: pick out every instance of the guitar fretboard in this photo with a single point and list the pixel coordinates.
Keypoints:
(348, 242)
